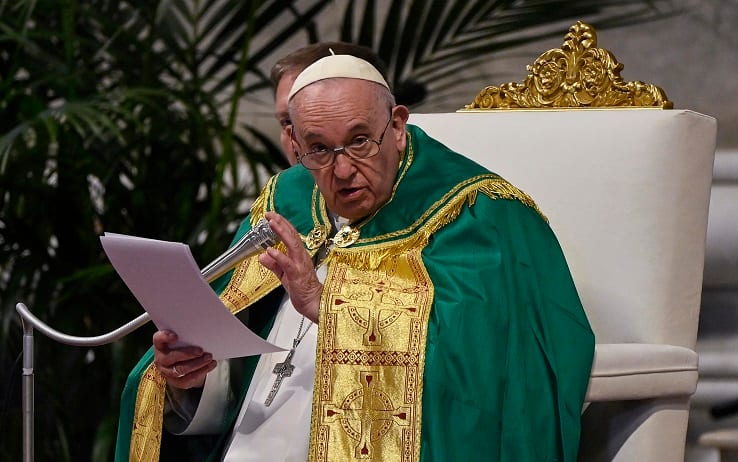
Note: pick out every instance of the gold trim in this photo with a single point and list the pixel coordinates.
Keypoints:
(148, 418)
(263, 201)
(444, 211)
(577, 75)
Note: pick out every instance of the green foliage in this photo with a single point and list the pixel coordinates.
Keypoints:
(123, 116)
(115, 116)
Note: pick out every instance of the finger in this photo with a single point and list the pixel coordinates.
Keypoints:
(177, 355)
(268, 261)
(165, 356)
(277, 259)
(286, 232)
(182, 369)
(162, 339)
(192, 379)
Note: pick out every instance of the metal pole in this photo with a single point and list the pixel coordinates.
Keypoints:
(28, 443)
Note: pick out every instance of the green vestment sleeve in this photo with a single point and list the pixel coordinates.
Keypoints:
(509, 347)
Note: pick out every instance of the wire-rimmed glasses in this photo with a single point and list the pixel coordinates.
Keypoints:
(361, 147)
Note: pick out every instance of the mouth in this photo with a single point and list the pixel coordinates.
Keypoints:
(349, 193)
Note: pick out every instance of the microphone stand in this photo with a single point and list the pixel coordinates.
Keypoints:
(259, 237)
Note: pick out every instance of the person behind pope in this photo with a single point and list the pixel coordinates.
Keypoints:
(428, 310)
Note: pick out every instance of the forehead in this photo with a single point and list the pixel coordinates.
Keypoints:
(334, 100)
(283, 89)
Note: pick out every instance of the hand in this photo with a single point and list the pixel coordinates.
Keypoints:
(184, 367)
(294, 269)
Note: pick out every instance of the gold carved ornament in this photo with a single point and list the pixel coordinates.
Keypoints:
(577, 75)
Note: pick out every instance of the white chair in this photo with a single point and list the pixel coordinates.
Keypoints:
(627, 193)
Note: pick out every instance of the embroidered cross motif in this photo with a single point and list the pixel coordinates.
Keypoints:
(364, 311)
(372, 419)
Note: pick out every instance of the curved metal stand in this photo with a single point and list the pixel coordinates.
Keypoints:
(258, 238)
(29, 321)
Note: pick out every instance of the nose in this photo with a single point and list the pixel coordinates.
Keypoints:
(343, 165)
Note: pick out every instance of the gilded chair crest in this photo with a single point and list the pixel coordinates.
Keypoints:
(577, 75)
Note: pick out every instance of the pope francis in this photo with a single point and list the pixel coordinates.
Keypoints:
(425, 306)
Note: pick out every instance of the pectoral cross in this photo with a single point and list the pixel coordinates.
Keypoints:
(283, 369)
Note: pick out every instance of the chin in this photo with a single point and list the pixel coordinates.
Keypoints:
(352, 210)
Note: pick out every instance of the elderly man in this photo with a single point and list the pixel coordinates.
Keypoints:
(448, 326)
(285, 71)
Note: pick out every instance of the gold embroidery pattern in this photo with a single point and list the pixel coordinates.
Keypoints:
(147, 425)
(370, 359)
(250, 282)
(265, 200)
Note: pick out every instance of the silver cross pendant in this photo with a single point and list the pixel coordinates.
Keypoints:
(283, 369)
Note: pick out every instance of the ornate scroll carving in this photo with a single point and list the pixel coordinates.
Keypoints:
(576, 75)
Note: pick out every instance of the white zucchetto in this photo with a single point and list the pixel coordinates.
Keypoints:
(334, 66)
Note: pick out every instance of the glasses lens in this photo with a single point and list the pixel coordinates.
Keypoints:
(317, 160)
(362, 149)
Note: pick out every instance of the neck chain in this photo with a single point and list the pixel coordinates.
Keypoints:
(300, 334)
(285, 368)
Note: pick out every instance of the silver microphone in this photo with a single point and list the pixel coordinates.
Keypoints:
(254, 241)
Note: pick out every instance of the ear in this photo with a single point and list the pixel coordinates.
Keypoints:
(400, 115)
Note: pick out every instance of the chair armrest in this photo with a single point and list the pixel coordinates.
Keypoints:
(628, 371)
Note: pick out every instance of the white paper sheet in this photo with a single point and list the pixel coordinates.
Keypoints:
(166, 280)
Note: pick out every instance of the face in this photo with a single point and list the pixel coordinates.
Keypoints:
(333, 113)
(283, 117)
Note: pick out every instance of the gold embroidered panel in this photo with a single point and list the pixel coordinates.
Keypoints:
(370, 359)
(147, 423)
(577, 75)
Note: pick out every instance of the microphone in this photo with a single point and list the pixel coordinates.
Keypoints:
(254, 241)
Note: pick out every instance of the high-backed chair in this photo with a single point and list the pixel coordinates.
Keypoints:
(625, 183)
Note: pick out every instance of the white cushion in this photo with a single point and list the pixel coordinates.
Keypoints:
(641, 371)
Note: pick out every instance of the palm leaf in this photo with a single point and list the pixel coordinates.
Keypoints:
(427, 44)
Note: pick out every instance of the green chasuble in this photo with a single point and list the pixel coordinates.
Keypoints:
(506, 348)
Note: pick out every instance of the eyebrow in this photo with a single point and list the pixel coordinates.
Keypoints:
(357, 127)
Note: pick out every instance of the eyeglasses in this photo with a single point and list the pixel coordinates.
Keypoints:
(361, 148)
